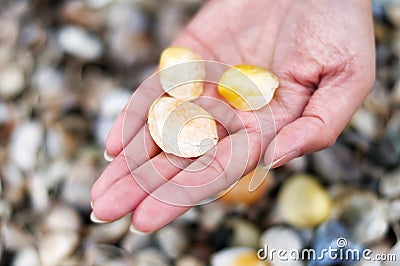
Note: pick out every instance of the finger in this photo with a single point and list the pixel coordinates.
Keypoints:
(323, 119)
(126, 161)
(124, 195)
(199, 180)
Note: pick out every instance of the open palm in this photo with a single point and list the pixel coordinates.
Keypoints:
(323, 54)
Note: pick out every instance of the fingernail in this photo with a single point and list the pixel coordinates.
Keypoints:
(108, 157)
(278, 162)
(91, 204)
(96, 220)
(133, 230)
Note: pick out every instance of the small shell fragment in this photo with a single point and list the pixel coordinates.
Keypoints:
(248, 87)
(182, 128)
(180, 65)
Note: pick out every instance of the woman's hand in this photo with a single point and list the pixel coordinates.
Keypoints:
(322, 52)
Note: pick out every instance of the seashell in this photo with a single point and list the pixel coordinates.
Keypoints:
(181, 73)
(25, 144)
(26, 256)
(364, 215)
(104, 254)
(172, 240)
(248, 87)
(13, 81)
(396, 252)
(16, 237)
(303, 202)
(151, 257)
(189, 261)
(212, 215)
(280, 238)
(39, 196)
(389, 184)
(181, 128)
(109, 232)
(80, 43)
(63, 218)
(56, 246)
(244, 233)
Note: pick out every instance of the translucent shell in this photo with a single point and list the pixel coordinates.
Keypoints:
(180, 68)
(248, 87)
(181, 127)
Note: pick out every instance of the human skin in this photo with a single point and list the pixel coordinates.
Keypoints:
(321, 50)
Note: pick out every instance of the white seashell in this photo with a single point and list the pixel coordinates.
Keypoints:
(12, 81)
(56, 246)
(80, 43)
(63, 217)
(182, 128)
(25, 144)
(38, 193)
(27, 256)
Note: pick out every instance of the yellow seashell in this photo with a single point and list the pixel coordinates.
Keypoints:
(248, 87)
(182, 72)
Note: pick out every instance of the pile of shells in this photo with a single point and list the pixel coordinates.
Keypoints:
(66, 70)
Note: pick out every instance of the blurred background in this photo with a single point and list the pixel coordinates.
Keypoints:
(66, 70)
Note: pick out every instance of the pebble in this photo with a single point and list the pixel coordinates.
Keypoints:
(56, 246)
(280, 238)
(364, 215)
(303, 202)
(172, 240)
(389, 185)
(80, 43)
